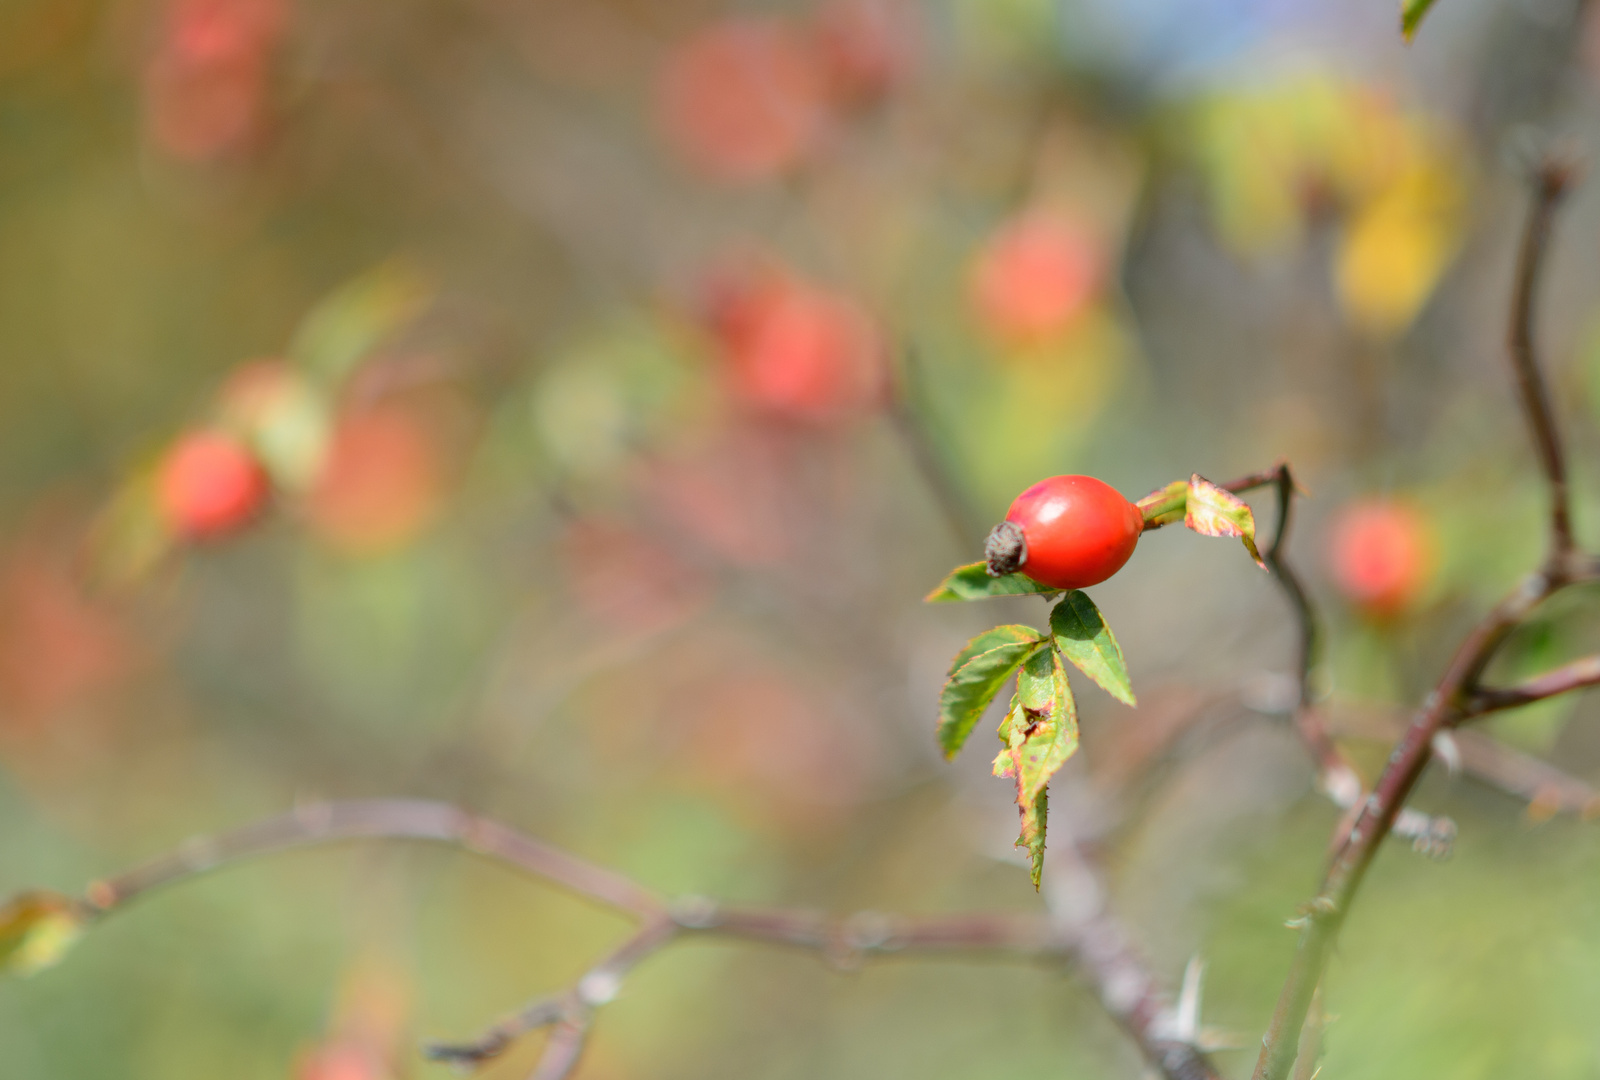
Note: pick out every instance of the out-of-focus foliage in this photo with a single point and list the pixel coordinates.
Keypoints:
(594, 356)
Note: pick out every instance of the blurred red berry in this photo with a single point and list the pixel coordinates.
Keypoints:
(1383, 554)
(867, 47)
(59, 643)
(342, 1060)
(1076, 531)
(743, 99)
(381, 483)
(1035, 276)
(206, 86)
(796, 349)
(202, 31)
(209, 485)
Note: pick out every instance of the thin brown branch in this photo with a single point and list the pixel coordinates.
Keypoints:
(1107, 958)
(379, 819)
(1577, 675)
(1547, 789)
(1107, 962)
(1449, 701)
(1553, 180)
(570, 1013)
(1485, 759)
(562, 1052)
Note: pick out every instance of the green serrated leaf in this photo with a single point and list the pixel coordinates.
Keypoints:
(1083, 637)
(1411, 15)
(36, 930)
(1213, 511)
(977, 675)
(1032, 835)
(993, 638)
(1050, 736)
(972, 582)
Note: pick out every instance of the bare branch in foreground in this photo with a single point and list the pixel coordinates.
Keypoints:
(1577, 675)
(1551, 183)
(1097, 944)
(380, 819)
(1448, 704)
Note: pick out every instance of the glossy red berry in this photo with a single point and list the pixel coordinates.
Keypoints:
(209, 485)
(1068, 532)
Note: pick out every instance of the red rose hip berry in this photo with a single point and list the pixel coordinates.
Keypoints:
(209, 485)
(1067, 532)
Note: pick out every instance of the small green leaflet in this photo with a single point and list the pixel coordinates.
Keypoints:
(1411, 14)
(976, 676)
(972, 582)
(1213, 511)
(1032, 836)
(1050, 736)
(1084, 638)
(36, 930)
(1039, 735)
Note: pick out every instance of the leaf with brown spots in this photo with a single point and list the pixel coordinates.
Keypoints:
(1213, 511)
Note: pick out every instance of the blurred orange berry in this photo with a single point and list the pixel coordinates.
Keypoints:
(342, 1060)
(58, 643)
(206, 86)
(381, 483)
(209, 30)
(1383, 556)
(209, 485)
(797, 349)
(744, 99)
(867, 47)
(1035, 276)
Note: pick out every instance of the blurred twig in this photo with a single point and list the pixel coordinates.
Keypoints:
(1097, 944)
(1451, 700)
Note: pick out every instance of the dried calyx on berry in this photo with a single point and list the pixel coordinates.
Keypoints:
(1006, 549)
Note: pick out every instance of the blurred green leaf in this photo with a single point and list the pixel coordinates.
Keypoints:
(36, 930)
(1411, 15)
(976, 675)
(1211, 511)
(1083, 637)
(356, 318)
(972, 582)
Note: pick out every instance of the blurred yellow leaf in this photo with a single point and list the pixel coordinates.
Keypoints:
(1398, 245)
(36, 930)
